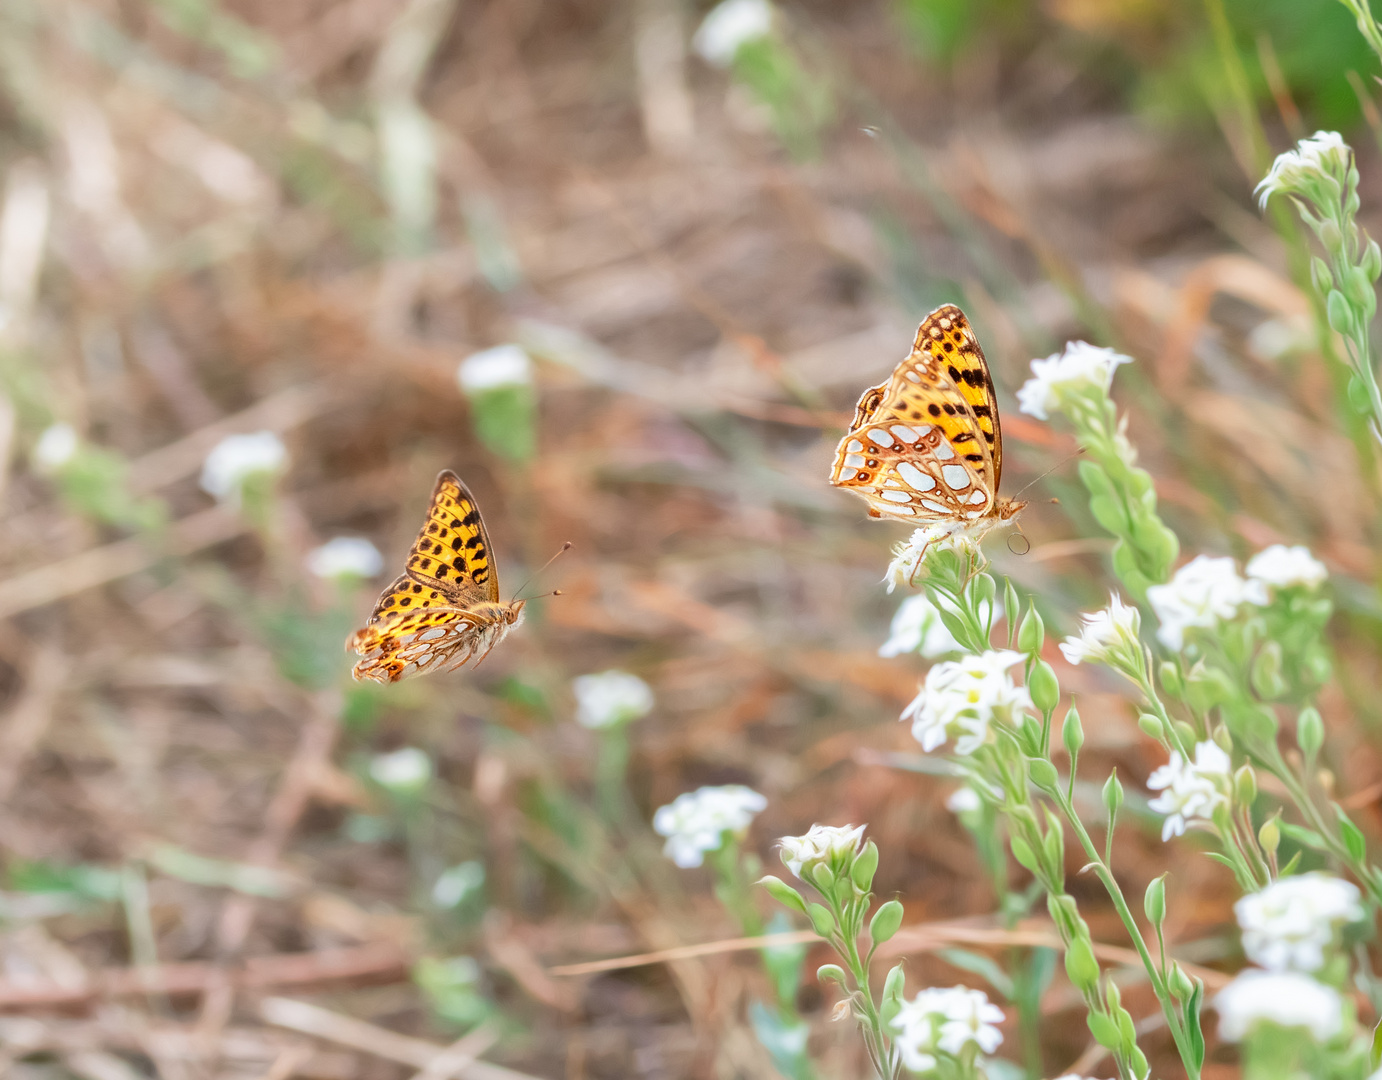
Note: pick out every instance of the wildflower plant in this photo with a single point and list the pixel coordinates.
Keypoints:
(498, 383)
(1320, 177)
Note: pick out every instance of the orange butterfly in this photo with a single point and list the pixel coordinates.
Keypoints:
(925, 446)
(444, 608)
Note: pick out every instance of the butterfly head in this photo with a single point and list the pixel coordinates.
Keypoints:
(1007, 508)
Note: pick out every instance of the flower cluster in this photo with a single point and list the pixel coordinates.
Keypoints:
(1315, 164)
(1282, 567)
(910, 558)
(490, 369)
(236, 459)
(1109, 637)
(945, 1021)
(1289, 925)
(697, 822)
(961, 699)
(1192, 791)
(55, 447)
(610, 698)
(828, 845)
(345, 557)
(1062, 376)
(729, 26)
(1203, 592)
(1285, 999)
(919, 627)
(406, 771)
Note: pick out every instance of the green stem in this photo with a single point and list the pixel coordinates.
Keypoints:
(1163, 992)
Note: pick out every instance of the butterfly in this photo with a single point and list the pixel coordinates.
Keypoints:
(444, 608)
(925, 445)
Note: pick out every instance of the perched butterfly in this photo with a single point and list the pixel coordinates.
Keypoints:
(925, 445)
(444, 608)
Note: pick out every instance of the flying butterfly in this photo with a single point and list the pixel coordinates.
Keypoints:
(925, 446)
(444, 608)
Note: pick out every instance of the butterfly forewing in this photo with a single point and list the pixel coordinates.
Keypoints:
(926, 444)
(444, 607)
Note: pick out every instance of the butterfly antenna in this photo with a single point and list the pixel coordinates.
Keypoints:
(556, 592)
(1049, 471)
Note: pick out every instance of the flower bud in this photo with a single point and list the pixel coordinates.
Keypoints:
(865, 865)
(886, 921)
(1171, 680)
(1043, 774)
(1269, 836)
(783, 893)
(1331, 237)
(1320, 276)
(1113, 794)
(821, 920)
(831, 973)
(1245, 786)
(1372, 261)
(1032, 633)
(1072, 733)
(1151, 725)
(1080, 965)
(1180, 982)
(1154, 901)
(1339, 313)
(1044, 687)
(1309, 732)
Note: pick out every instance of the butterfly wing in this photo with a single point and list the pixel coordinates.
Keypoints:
(925, 445)
(449, 564)
(445, 605)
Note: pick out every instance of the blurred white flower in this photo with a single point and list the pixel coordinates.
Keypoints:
(962, 698)
(1285, 999)
(1107, 636)
(1081, 367)
(610, 698)
(728, 26)
(696, 822)
(917, 626)
(1288, 925)
(503, 365)
(404, 772)
(1201, 593)
(1283, 567)
(55, 447)
(833, 845)
(909, 566)
(236, 458)
(945, 1020)
(345, 557)
(1190, 791)
(456, 884)
(1324, 155)
(962, 800)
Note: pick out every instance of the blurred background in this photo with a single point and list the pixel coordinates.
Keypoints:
(249, 252)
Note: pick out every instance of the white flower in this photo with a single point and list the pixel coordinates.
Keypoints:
(1080, 367)
(730, 25)
(345, 557)
(55, 447)
(610, 698)
(456, 883)
(834, 845)
(1106, 635)
(503, 365)
(917, 626)
(1288, 925)
(1201, 593)
(236, 458)
(945, 1020)
(405, 771)
(908, 566)
(962, 698)
(1283, 567)
(1191, 791)
(697, 821)
(962, 800)
(1283, 998)
(1324, 154)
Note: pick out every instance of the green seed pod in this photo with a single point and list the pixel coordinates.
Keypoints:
(865, 865)
(1151, 725)
(821, 920)
(1080, 965)
(886, 921)
(1245, 786)
(1043, 774)
(1171, 680)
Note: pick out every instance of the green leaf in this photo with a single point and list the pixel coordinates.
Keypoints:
(1354, 840)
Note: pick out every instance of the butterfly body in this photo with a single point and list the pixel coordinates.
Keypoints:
(444, 609)
(926, 446)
